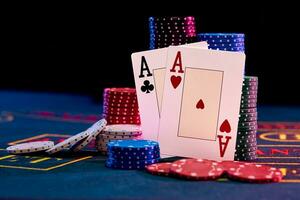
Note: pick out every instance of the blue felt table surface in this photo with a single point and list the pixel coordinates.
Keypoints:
(89, 179)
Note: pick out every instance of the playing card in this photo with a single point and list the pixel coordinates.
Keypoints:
(201, 100)
(149, 73)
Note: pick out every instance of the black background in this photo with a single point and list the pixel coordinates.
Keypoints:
(80, 48)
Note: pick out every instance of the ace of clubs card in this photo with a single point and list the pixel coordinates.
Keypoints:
(149, 73)
(201, 102)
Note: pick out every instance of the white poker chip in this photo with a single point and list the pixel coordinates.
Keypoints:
(30, 147)
(122, 129)
(94, 131)
(78, 137)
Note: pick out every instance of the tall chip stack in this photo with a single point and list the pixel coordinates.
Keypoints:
(120, 109)
(246, 144)
(120, 106)
(166, 31)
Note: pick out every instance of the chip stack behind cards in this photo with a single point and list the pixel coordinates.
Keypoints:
(166, 31)
(224, 41)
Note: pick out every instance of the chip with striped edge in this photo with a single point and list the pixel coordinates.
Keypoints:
(196, 169)
(163, 169)
(69, 142)
(30, 147)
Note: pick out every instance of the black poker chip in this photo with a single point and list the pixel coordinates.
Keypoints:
(248, 110)
(246, 145)
(245, 140)
(250, 78)
(247, 115)
(249, 92)
(243, 150)
(248, 119)
(245, 125)
(250, 105)
(246, 133)
(244, 158)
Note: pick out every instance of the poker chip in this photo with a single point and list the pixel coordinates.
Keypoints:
(239, 49)
(133, 145)
(222, 35)
(118, 117)
(250, 79)
(117, 132)
(248, 119)
(247, 124)
(116, 129)
(227, 45)
(30, 147)
(249, 92)
(243, 150)
(196, 169)
(248, 110)
(248, 101)
(69, 142)
(111, 110)
(111, 121)
(248, 140)
(121, 105)
(166, 31)
(249, 88)
(247, 128)
(120, 91)
(249, 97)
(250, 105)
(255, 173)
(129, 165)
(159, 168)
(94, 131)
(246, 145)
(246, 135)
(247, 115)
(132, 154)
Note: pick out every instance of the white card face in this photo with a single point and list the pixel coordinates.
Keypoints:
(200, 104)
(149, 74)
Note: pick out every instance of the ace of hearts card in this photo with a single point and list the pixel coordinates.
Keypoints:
(149, 73)
(201, 102)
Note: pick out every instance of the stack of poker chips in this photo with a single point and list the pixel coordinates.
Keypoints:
(120, 106)
(166, 31)
(132, 154)
(246, 144)
(117, 132)
(224, 41)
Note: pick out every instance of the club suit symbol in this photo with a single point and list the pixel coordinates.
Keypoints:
(147, 87)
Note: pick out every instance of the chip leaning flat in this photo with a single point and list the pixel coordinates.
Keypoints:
(30, 147)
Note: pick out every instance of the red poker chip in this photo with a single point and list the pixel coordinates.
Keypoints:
(159, 168)
(120, 91)
(121, 117)
(121, 109)
(250, 172)
(109, 121)
(120, 101)
(120, 105)
(119, 97)
(196, 169)
(111, 112)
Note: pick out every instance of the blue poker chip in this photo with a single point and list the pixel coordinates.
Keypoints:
(237, 44)
(137, 164)
(225, 41)
(132, 155)
(221, 35)
(132, 144)
(237, 49)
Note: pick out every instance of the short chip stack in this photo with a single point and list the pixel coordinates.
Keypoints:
(120, 106)
(246, 144)
(132, 154)
(166, 31)
(117, 132)
(224, 41)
